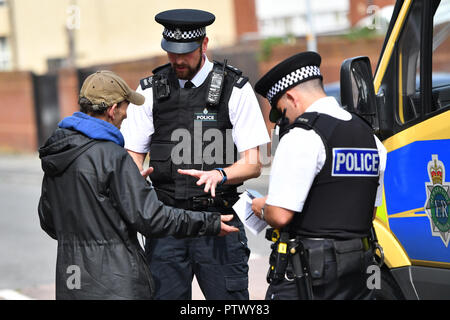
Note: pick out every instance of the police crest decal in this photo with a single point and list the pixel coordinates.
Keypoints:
(438, 200)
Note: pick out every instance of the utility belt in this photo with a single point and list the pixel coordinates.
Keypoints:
(222, 200)
(303, 260)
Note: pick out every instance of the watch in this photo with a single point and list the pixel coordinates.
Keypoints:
(262, 214)
(224, 175)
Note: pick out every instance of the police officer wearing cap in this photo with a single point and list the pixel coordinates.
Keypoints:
(326, 179)
(211, 102)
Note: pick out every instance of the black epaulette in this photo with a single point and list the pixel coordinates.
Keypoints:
(234, 69)
(146, 83)
(305, 121)
(229, 67)
(241, 82)
(156, 70)
(322, 124)
(240, 79)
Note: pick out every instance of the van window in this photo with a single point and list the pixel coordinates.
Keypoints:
(409, 66)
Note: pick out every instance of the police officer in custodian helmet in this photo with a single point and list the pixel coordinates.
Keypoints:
(326, 179)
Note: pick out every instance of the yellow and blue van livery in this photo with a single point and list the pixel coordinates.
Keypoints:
(417, 198)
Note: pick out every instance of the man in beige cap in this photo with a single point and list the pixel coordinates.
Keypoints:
(94, 200)
(105, 89)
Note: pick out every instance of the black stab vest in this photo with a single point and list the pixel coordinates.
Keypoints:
(190, 134)
(341, 200)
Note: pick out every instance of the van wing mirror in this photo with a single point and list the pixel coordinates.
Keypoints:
(357, 91)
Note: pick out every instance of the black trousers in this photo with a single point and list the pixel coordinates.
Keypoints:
(342, 275)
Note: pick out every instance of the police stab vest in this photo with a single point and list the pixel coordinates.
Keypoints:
(341, 200)
(190, 131)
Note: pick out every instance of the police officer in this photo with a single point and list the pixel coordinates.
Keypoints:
(325, 181)
(198, 118)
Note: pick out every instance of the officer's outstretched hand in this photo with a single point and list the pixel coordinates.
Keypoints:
(224, 228)
(209, 178)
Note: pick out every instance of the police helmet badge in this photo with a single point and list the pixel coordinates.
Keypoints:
(438, 200)
(177, 34)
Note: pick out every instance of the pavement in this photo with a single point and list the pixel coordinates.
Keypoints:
(257, 286)
(28, 255)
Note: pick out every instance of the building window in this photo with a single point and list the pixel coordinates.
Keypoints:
(5, 60)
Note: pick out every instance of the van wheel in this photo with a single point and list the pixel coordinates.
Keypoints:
(389, 289)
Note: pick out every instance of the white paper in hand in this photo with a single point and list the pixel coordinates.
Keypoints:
(243, 208)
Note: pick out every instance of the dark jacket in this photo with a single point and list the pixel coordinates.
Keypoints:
(94, 201)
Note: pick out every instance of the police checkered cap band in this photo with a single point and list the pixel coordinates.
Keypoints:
(297, 76)
(180, 35)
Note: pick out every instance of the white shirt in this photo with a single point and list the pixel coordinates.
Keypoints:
(300, 156)
(249, 129)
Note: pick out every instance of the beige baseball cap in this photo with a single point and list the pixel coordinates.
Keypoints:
(107, 87)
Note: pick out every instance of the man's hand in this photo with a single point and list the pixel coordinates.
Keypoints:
(209, 178)
(257, 205)
(145, 173)
(224, 228)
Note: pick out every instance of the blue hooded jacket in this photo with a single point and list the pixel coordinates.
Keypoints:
(93, 128)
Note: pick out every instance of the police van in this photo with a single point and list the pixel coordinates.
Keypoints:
(408, 104)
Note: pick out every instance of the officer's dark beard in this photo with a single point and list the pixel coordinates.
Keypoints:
(191, 72)
(197, 68)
